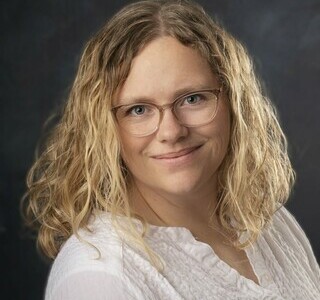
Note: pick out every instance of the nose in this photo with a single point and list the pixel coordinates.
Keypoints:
(169, 129)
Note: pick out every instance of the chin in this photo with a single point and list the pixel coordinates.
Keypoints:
(180, 186)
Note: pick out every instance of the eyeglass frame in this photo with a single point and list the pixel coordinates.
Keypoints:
(171, 105)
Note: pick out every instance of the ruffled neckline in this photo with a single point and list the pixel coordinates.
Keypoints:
(203, 252)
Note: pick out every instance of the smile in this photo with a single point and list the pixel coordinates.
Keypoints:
(179, 157)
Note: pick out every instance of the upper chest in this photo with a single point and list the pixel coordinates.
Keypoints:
(193, 271)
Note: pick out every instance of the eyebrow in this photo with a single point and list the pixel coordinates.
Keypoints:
(179, 92)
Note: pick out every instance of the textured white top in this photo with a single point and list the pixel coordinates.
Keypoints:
(282, 260)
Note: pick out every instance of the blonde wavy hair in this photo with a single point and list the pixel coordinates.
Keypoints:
(80, 169)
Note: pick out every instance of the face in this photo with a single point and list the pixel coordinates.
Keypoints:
(175, 160)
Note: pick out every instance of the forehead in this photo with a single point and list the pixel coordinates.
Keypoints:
(163, 67)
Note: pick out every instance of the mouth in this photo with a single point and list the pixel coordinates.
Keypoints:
(178, 154)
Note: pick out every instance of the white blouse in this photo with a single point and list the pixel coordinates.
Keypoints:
(282, 260)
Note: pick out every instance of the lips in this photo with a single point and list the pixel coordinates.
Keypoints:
(176, 154)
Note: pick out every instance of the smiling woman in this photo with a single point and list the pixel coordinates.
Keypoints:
(168, 171)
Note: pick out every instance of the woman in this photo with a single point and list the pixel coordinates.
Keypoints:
(167, 174)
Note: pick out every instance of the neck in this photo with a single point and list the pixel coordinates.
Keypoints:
(191, 210)
(196, 213)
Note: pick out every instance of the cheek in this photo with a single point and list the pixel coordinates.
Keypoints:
(225, 132)
(218, 145)
(132, 149)
(224, 140)
(219, 134)
(223, 123)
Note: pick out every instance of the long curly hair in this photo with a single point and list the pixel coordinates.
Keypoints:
(81, 170)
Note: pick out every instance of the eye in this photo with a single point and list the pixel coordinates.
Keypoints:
(137, 110)
(193, 99)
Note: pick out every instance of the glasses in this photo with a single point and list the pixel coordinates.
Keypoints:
(191, 110)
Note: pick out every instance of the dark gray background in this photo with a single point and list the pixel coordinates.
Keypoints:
(41, 42)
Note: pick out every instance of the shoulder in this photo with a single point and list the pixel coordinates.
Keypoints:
(83, 285)
(287, 241)
(285, 225)
(95, 253)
